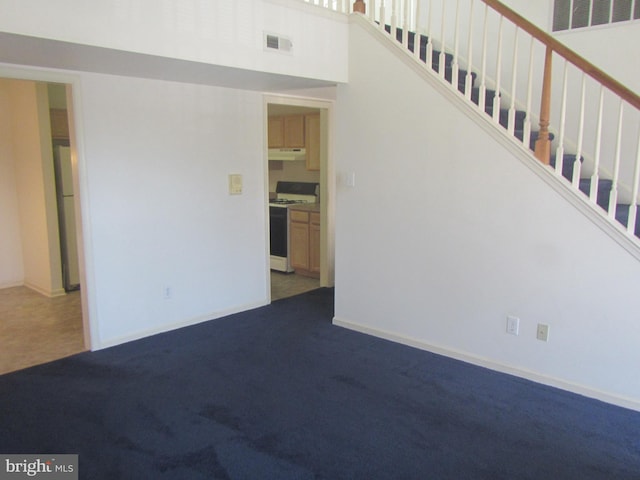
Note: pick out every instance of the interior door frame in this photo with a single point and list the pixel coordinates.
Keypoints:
(327, 180)
(74, 111)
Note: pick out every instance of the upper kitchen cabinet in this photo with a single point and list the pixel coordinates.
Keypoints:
(294, 131)
(275, 132)
(286, 131)
(312, 141)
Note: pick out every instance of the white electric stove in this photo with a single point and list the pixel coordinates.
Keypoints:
(287, 194)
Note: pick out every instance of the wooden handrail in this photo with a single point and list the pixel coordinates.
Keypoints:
(543, 143)
(587, 67)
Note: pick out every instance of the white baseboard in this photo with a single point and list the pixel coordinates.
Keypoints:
(47, 293)
(621, 401)
(174, 326)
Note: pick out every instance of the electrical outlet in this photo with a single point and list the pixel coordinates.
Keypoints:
(543, 332)
(235, 184)
(513, 325)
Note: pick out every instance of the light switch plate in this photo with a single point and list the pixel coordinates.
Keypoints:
(235, 184)
(350, 179)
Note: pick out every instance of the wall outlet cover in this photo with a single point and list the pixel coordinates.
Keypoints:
(543, 332)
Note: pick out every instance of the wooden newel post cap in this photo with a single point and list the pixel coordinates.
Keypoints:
(359, 6)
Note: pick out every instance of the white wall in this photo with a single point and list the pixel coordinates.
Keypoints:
(11, 266)
(445, 234)
(225, 32)
(291, 171)
(608, 47)
(612, 48)
(33, 183)
(154, 166)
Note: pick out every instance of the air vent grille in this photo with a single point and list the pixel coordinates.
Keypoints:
(277, 42)
(273, 42)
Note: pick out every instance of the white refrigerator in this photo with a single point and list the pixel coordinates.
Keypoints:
(67, 218)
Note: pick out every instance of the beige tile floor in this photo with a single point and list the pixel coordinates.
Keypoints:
(36, 329)
(288, 284)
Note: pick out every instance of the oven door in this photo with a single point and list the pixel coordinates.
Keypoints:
(278, 220)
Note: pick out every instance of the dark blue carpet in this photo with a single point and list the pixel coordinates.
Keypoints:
(280, 393)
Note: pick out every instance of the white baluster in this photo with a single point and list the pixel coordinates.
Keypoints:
(633, 209)
(613, 195)
(593, 192)
(483, 71)
(371, 8)
(456, 36)
(496, 99)
(511, 123)
(468, 81)
(394, 18)
(346, 6)
(526, 134)
(442, 58)
(563, 115)
(577, 166)
(405, 24)
(383, 16)
(417, 38)
(429, 52)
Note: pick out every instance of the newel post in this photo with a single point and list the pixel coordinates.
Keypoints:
(359, 6)
(543, 144)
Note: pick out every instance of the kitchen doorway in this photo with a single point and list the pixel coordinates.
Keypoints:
(39, 293)
(298, 137)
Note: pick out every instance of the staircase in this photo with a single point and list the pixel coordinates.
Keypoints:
(603, 191)
(611, 190)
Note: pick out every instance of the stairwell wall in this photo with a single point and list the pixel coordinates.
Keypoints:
(449, 229)
(228, 33)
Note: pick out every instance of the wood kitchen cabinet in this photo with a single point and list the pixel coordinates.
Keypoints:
(304, 231)
(312, 140)
(59, 124)
(275, 132)
(314, 243)
(294, 131)
(286, 131)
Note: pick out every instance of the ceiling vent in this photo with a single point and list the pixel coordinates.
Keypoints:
(277, 42)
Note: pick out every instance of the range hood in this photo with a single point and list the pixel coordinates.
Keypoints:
(287, 154)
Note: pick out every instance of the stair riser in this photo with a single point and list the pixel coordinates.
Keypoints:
(604, 190)
(622, 216)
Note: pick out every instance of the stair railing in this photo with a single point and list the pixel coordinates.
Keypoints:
(588, 123)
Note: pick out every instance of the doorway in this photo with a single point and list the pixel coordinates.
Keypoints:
(39, 287)
(313, 167)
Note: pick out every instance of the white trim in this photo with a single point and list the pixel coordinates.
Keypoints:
(89, 315)
(58, 292)
(327, 184)
(140, 334)
(617, 400)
